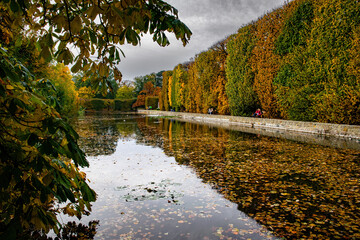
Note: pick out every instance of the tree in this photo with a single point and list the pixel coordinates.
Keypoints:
(155, 78)
(94, 28)
(221, 53)
(264, 62)
(125, 92)
(140, 81)
(39, 151)
(39, 155)
(149, 91)
(68, 101)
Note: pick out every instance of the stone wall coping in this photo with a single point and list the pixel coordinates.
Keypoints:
(326, 129)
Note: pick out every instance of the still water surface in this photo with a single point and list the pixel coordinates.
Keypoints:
(157, 178)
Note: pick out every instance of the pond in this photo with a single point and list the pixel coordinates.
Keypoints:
(157, 178)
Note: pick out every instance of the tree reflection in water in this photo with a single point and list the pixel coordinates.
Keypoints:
(99, 135)
(296, 190)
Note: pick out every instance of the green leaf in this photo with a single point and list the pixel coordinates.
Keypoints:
(76, 25)
(49, 40)
(60, 194)
(5, 176)
(93, 37)
(69, 194)
(46, 54)
(68, 57)
(9, 72)
(13, 107)
(14, 6)
(77, 66)
(88, 194)
(18, 42)
(33, 139)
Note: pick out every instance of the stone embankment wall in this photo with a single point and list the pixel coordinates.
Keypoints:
(324, 129)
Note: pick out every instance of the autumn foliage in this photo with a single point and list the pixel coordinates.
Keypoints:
(298, 62)
(148, 91)
(40, 162)
(299, 191)
(198, 85)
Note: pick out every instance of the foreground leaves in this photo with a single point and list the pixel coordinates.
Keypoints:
(39, 156)
(94, 28)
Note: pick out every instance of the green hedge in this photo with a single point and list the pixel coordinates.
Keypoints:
(124, 105)
(319, 79)
(239, 88)
(97, 104)
(152, 101)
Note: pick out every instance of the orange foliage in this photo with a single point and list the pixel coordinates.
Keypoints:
(220, 83)
(265, 63)
(193, 95)
(164, 93)
(148, 91)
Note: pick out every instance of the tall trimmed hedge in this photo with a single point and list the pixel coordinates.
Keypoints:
(152, 102)
(97, 104)
(298, 62)
(164, 94)
(319, 81)
(178, 79)
(124, 105)
(239, 87)
(296, 27)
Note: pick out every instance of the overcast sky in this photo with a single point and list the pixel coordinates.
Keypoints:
(209, 20)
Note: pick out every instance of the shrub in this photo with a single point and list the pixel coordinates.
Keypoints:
(97, 104)
(124, 105)
(152, 102)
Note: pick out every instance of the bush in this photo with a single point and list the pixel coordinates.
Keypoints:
(152, 102)
(124, 105)
(97, 104)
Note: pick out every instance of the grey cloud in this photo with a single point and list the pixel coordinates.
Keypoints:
(209, 20)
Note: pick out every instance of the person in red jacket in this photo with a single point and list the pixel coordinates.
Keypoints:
(257, 113)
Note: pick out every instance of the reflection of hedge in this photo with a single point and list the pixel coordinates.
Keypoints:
(151, 101)
(124, 105)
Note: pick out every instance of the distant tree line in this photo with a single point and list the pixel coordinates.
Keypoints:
(298, 62)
